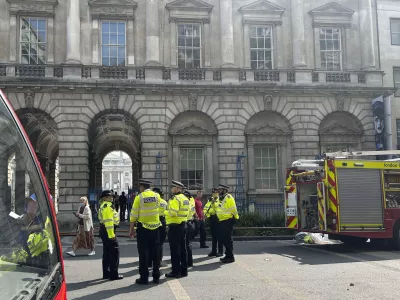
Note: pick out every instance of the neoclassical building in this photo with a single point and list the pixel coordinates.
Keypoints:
(184, 87)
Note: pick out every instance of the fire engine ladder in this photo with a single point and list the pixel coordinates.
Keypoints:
(341, 154)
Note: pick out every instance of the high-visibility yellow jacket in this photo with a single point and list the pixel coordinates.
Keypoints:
(209, 209)
(192, 210)
(18, 256)
(38, 242)
(145, 210)
(226, 208)
(109, 217)
(163, 207)
(178, 209)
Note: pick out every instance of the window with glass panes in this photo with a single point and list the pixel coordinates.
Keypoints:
(261, 47)
(192, 168)
(395, 31)
(396, 79)
(33, 40)
(331, 49)
(266, 161)
(113, 43)
(189, 46)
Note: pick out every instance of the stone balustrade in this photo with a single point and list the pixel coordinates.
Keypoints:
(206, 76)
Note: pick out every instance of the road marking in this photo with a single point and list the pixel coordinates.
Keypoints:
(178, 290)
(373, 263)
(292, 292)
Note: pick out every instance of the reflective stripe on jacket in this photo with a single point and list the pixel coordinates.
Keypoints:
(163, 207)
(192, 210)
(178, 209)
(145, 210)
(109, 218)
(227, 208)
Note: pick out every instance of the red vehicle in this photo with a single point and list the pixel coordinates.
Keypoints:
(31, 262)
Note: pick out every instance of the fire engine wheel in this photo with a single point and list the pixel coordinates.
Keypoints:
(353, 240)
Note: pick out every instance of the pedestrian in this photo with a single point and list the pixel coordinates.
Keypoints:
(85, 236)
(122, 206)
(227, 214)
(210, 213)
(109, 219)
(200, 228)
(145, 213)
(190, 227)
(129, 204)
(163, 228)
(176, 217)
(116, 202)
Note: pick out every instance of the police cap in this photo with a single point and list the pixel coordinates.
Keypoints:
(106, 193)
(222, 186)
(177, 184)
(145, 181)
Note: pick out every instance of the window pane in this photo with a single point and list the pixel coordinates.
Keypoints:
(25, 59)
(181, 29)
(196, 42)
(396, 75)
(395, 26)
(113, 52)
(113, 39)
(189, 41)
(181, 41)
(121, 61)
(42, 36)
(121, 39)
(113, 61)
(113, 27)
(396, 38)
(253, 43)
(260, 43)
(121, 28)
(105, 61)
(105, 27)
(121, 52)
(196, 54)
(105, 39)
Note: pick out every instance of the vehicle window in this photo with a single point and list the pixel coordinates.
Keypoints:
(28, 251)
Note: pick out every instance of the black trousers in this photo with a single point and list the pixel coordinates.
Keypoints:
(148, 244)
(203, 235)
(110, 254)
(129, 208)
(163, 235)
(226, 230)
(215, 235)
(177, 246)
(122, 209)
(189, 238)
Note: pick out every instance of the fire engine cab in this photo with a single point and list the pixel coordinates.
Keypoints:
(349, 198)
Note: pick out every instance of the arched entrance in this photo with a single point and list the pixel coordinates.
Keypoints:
(117, 172)
(113, 131)
(340, 131)
(42, 132)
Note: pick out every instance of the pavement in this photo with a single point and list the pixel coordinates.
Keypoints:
(264, 270)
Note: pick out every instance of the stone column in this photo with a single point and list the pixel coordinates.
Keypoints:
(209, 178)
(130, 43)
(13, 38)
(207, 44)
(95, 41)
(251, 166)
(176, 162)
(172, 28)
(152, 33)
(226, 28)
(317, 48)
(367, 35)
(73, 33)
(50, 40)
(246, 45)
(297, 14)
(279, 48)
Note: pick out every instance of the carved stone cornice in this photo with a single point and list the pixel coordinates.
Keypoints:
(268, 129)
(192, 129)
(32, 7)
(332, 15)
(262, 12)
(341, 130)
(119, 9)
(189, 11)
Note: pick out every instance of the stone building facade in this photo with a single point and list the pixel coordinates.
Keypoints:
(389, 41)
(194, 82)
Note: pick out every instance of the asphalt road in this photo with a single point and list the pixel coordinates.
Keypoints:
(263, 270)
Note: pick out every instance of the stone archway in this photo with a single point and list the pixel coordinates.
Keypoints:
(42, 131)
(340, 131)
(268, 151)
(113, 131)
(193, 150)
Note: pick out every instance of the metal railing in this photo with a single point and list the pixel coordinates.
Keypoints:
(192, 74)
(266, 75)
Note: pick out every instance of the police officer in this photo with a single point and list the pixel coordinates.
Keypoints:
(209, 212)
(176, 217)
(145, 213)
(109, 219)
(190, 228)
(163, 228)
(227, 214)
